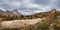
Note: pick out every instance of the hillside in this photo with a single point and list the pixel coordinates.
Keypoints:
(15, 15)
(48, 21)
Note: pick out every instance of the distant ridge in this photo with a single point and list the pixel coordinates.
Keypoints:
(14, 14)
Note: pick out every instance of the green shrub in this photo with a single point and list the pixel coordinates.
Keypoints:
(42, 25)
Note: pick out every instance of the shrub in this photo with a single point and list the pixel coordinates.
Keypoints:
(42, 25)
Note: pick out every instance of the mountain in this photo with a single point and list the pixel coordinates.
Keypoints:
(51, 23)
(15, 11)
(1, 12)
(10, 13)
(17, 15)
(42, 14)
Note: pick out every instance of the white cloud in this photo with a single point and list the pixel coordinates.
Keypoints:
(2, 9)
(15, 4)
(39, 9)
(12, 4)
(26, 1)
(1, 3)
(53, 3)
(32, 5)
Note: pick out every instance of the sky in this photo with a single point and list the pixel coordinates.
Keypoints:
(28, 7)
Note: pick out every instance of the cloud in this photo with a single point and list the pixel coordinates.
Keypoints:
(30, 6)
(41, 2)
(15, 4)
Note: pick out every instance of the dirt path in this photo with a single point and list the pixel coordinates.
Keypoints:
(19, 23)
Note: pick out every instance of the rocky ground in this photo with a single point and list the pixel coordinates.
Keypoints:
(19, 23)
